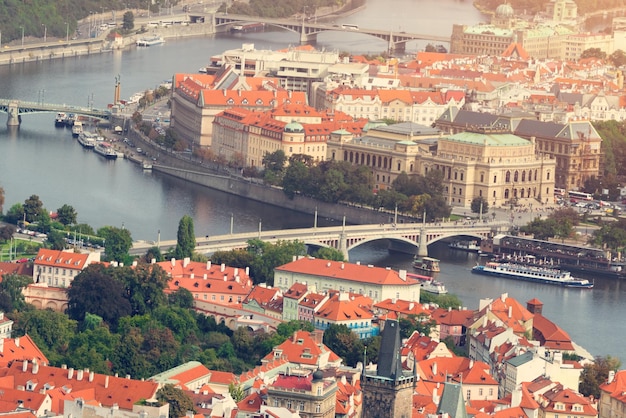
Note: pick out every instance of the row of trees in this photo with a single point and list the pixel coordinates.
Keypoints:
(339, 181)
(280, 8)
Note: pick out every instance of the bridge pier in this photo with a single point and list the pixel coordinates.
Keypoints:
(307, 38)
(13, 114)
(422, 250)
(396, 47)
(343, 245)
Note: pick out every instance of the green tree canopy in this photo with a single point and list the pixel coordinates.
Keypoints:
(128, 21)
(186, 239)
(33, 208)
(95, 291)
(67, 215)
(268, 256)
(479, 203)
(596, 373)
(117, 243)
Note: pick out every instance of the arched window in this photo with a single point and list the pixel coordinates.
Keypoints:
(522, 193)
(507, 178)
(523, 176)
(506, 193)
(516, 176)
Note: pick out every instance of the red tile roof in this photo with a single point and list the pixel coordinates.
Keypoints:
(551, 335)
(62, 259)
(20, 348)
(346, 271)
(108, 390)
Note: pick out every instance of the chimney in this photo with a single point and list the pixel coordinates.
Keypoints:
(134, 263)
(17, 342)
(25, 365)
(192, 276)
(106, 381)
(611, 376)
(402, 274)
(247, 271)
(204, 276)
(510, 311)
(236, 273)
(435, 397)
(1, 345)
(503, 297)
(79, 374)
(173, 262)
(91, 374)
(186, 261)
(435, 369)
(208, 265)
(153, 261)
(70, 373)
(411, 306)
(222, 268)
(471, 365)
(225, 278)
(342, 266)
(35, 366)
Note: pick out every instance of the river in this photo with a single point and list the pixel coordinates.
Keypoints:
(43, 160)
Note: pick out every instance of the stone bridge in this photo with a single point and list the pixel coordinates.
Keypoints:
(309, 30)
(403, 237)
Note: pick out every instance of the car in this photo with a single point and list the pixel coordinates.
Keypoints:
(22, 260)
(139, 150)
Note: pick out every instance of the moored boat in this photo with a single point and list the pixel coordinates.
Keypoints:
(429, 284)
(106, 150)
(469, 246)
(77, 128)
(87, 139)
(426, 264)
(532, 274)
(150, 41)
(60, 119)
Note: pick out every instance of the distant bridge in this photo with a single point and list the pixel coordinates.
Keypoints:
(409, 238)
(308, 31)
(16, 108)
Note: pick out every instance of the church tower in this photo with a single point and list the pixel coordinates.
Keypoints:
(388, 392)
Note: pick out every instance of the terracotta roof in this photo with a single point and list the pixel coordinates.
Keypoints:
(346, 271)
(20, 348)
(551, 335)
(108, 390)
(302, 348)
(62, 259)
(342, 308)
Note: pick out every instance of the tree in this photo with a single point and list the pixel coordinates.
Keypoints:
(128, 22)
(143, 286)
(479, 205)
(15, 213)
(186, 242)
(618, 58)
(345, 343)
(179, 401)
(117, 243)
(268, 256)
(274, 164)
(593, 53)
(6, 232)
(66, 214)
(295, 178)
(55, 240)
(596, 373)
(33, 208)
(181, 298)
(236, 392)
(328, 253)
(95, 291)
(12, 286)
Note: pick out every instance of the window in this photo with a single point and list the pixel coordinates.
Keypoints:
(469, 394)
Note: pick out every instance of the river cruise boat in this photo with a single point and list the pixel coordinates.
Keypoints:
(426, 264)
(106, 150)
(150, 41)
(87, 139)
(469, 246)
(532, 274)
(429, 284)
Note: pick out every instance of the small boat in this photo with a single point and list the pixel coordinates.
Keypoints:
(537, 274)
(429, 284)
(469, 246)
(60, 119)
(77, 129)
(146, 165)
(153, 40)
(248, 27)
(106, 150)
(426, 264)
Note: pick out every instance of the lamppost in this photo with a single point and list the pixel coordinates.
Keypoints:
(67, 33)
(45, 32)
(22, 35)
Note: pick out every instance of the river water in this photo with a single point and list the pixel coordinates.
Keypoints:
(43, 160)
